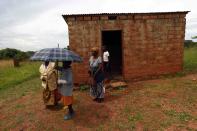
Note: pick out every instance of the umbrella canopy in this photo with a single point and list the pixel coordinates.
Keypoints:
(56, 54)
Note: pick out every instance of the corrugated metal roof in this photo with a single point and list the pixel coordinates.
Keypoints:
(99, 14)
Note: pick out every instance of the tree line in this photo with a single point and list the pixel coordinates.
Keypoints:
(15, 55)
(10, 53)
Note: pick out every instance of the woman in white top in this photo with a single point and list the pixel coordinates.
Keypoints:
(106, 65)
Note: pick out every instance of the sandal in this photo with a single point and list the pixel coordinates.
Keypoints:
(69, 116)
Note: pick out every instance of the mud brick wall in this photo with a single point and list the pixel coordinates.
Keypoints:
(152, 43)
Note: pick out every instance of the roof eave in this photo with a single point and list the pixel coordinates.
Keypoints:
(99, 14)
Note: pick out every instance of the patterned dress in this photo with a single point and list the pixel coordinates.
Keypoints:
(96, 87)
(49, 84)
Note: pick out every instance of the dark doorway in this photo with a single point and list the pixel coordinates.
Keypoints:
(113, 42)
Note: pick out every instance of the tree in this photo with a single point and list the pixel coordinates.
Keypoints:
(14, 54)
(8, 53)
(29, 53)
(21, 56)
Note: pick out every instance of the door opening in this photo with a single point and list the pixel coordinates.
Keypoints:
(112, 40)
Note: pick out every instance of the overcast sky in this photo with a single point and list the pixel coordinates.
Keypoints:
(37, 24)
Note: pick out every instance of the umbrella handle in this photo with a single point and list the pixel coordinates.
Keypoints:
(57, 71)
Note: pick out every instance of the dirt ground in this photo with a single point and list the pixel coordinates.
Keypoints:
(163, 104)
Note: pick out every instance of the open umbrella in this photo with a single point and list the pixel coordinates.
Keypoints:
(56, 54)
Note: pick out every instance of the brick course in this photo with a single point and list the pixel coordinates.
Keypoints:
(152, 43)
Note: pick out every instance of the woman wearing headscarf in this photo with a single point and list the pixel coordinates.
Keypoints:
(49, 83)
(97, 76)
(66, 87)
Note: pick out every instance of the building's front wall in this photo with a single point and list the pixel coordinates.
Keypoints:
(151, 44)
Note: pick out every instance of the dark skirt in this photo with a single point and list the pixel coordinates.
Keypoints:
(106, 67)
(97, 90)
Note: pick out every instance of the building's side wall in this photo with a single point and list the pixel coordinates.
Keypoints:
(151, 44)
(154, 46)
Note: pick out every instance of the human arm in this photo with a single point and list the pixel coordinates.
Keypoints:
(99, 62)
(58, 68)
(98, 69)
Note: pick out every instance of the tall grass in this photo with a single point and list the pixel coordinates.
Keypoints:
(190, 59)
(5, 63)
(10, 76)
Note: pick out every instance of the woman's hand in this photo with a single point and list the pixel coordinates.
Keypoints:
(89, 72)
(92, 81)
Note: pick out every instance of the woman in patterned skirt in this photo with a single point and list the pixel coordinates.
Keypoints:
(49, 84)
(97, 76)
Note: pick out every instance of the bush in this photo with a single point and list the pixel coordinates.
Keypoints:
(9, 53)
(84, 87)
(20, 56)
(189, 43)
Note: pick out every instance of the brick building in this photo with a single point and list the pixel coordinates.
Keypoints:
(140, 44)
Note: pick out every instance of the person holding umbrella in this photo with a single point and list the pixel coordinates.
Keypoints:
(66, 87)
(65, 82)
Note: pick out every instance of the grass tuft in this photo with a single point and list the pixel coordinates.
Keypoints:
(190, 59)
(84, 87)
(181, 116)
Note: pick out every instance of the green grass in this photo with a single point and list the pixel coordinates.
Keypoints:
(10, 76)
(180, 116)
(136, 117)
(20, 90)
(156, 103)
(84, 87)
(190, 59)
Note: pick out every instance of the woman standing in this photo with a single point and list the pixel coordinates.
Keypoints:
(106, 64)
(66, 87)
(49, 83)
(97, 76)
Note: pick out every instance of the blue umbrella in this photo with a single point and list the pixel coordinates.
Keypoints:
(56, 54)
